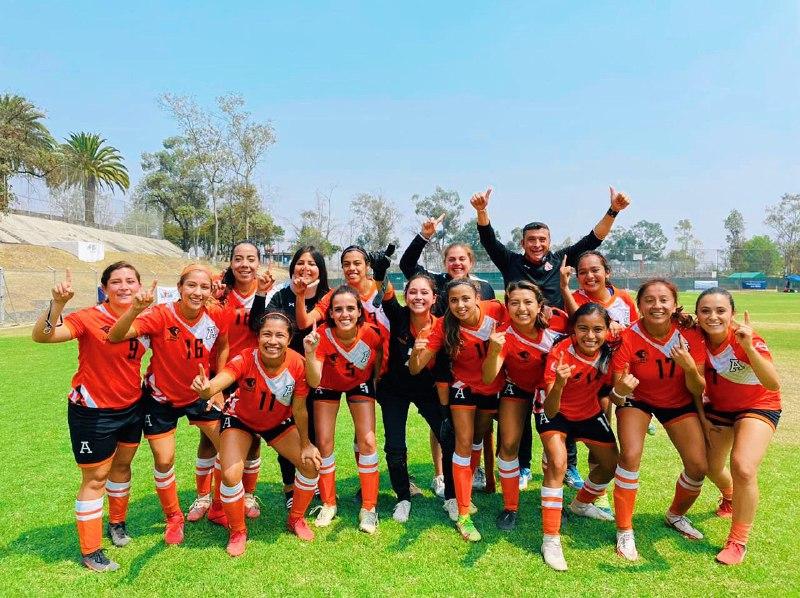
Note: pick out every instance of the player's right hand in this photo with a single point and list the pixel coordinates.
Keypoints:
(201, 384)
(311, 455)
(145, 297)
(496, 340)
(301, 285)
(430, 225)
(563, 371)
(63, 291)
(311, 341)
(627, 382)
(480, 201)
(421, 342)
(565, 272)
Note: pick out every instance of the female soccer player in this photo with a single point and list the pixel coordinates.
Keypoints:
(744, 407)
(658, 371)
(520, 351)
(345, 356)
(239, 284)
(306, 269)
(464, 333)
(577, 375)
(269, 402)
(104, 411)
(398, 389)
(182, 335)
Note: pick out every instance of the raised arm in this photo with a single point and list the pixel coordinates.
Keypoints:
(206, 388)
(46, 329)
(409, 262)
(570, 305)
(124, 328)
(304, 318)
(619, 201)
(763, 368)
(494, 248)
(494, 357)
(313, 363)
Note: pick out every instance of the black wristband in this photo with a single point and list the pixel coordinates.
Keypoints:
(612, 212)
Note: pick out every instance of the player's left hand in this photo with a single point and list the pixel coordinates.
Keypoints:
(619, 201)
(480, 201)
(216, 402)
(310, 454)
(265, 280)
(615, 329)
(218, 288)
(565, 273)
(744, 332)
(680, 355)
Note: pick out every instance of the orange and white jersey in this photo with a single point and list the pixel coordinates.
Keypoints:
(237, 307)
(109, 374)
(346, 366)
(263, 400)
(524, 358)
(178, 347)
(620, 306)
(581, 393)
(731, 383)
(468, 361)
(661, 381)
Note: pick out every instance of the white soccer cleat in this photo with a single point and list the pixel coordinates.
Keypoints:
(437, 485)
(199, 508)
(368, 520)
(682, 524)
(402, 510)
(626, 545)
(325, 514)
(553, 553)
(590, 510)
(252, 508)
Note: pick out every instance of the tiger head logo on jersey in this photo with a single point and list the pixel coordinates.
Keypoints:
(173, 333)
(641, 356)
(524, 355)
(105, 329)
(249, 383)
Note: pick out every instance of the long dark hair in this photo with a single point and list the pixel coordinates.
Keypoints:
(227, 276)
(452, 325)
(345, 290)
(714, 291)
(681, 319)
(319, 260)
(540, 322)
(589, 309)
(602, 259)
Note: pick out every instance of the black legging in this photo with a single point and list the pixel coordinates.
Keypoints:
(287, 469)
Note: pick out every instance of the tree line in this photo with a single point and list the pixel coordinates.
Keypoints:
(202, 186)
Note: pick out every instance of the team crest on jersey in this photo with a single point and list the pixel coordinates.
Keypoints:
(249, 383)
(641, 356)
(548, 266)
(737, 366)
(524, 355)
(106, 329)
(173, 333)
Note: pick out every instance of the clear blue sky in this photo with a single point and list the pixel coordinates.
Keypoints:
(691, 107)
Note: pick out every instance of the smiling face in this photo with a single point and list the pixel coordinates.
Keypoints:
(196, 289)
(590, 333)
(244, 264)
(457, 262)
(345, 310)
(592, 275)
(420, 296)
(122, 285)
(657, 304)
(535, 244)
(273, 339)
(306, 268)
(354, 268)
(463, 302)
(522, 307)
(715, 314)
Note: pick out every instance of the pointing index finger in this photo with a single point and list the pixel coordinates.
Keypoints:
(488, 193)
(154, 285)
(746, 318)
(69, 275)
(202, 370)
(440, 219)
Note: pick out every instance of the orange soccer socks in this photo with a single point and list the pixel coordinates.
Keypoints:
(626, 485)
(509, 481)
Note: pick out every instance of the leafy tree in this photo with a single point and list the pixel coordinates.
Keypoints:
(761, 254)
(516, 239)
(317, 226)
(734, 225)
(241, 221)
(373, 221)
(784, 219)
(26, 146)
(644, 237)
(683, 263)
(468, 235)
(90, 165)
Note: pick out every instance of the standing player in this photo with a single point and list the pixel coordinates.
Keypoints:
(658, 371)
(577, 375)
(540, 266)
(520, 352)
(345, 356)
(464, 333)
(269, 403)
(744, 406)
(104, 412)
(182, 335)
(306, 268)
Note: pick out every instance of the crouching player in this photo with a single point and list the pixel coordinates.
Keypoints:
(269, 401)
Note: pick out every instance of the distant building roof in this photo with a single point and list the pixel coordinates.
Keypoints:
(746, 275)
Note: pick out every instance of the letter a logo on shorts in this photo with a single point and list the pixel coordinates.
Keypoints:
(147, 421)
(459, 394)
(364, 388)
(85, 447)
(226, 423)
(543, 419)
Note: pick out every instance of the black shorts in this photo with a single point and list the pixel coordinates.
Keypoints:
(728, 418)
(362, 393)
(271, 435)
(593, 430)
(512, 392)
(664, 415)
(161, 419)
(95, 433)
(463, 396)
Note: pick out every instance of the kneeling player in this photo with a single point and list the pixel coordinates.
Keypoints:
(269, 401)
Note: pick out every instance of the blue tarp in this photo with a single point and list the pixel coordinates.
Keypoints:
(792, 277)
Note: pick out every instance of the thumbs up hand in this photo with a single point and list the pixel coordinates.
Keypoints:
(563, 371)
(625, 385)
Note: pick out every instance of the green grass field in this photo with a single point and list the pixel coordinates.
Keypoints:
(39, 549)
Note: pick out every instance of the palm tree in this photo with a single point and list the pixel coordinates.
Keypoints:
(89, 164)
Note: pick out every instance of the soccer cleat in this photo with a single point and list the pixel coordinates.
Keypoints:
(467, 529)
(368, 521)
(573, 478)
(414, 490)
(300, 529)
(451, 506)
(725, 508)
(507, 521)
(590, 510)
(252, 506)
(199, 508)
(525, 477)
(325, 514)
(682, 524)
(237, 542)
(437, 485)
(118, 534)
(288, 498)
(402, 510)
(604, 505)
(479, 479)
(173, 532)
(732, 554)
(98, 561)
(626, 545)
(216, 514)
(553, 554)
(651, 428)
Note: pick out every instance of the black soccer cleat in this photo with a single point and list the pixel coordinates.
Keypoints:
(98, 561)
(507, 521)
(118, 534)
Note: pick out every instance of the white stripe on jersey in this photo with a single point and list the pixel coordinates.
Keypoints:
(281, 386)
(247, 302)
(575, 354)
(729, 367)
(358, 355)
(205, 329)
(545, 345)
(485, 329)
(673, 341)
(618, 310)
(380, 315)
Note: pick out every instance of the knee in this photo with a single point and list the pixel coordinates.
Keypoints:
(696, 468)
(630, 460)
(308, 470)
(557, 466)
(95, 484)
(743, 471)
(366, 445)
(231, 477)
(164, 463)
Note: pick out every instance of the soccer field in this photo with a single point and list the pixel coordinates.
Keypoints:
(424, 557)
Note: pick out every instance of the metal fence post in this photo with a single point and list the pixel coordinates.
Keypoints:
(2, 299)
